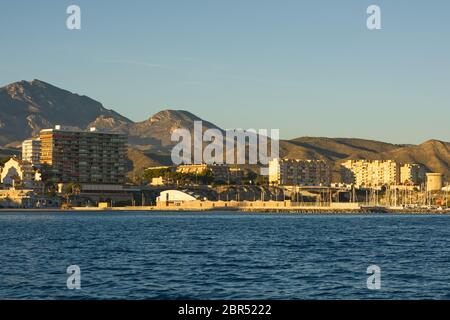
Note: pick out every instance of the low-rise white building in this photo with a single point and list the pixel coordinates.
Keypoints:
(21, 198)
(174, 196)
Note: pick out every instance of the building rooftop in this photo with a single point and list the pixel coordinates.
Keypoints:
(62, 128)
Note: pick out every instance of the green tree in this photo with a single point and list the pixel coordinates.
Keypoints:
(149, 174)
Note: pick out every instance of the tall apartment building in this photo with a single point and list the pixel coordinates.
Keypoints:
(84, 156)
(299, 172)
(412, 174)
(31, 151)
(371, 173)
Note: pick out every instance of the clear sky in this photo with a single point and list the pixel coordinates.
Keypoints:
(305, 67)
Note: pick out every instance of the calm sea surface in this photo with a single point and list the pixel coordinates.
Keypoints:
(133, 255)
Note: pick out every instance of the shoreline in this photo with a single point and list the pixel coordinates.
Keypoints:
(309, 210)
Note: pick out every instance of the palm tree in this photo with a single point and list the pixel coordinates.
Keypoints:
(72, 189)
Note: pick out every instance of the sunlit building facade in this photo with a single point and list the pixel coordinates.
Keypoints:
(76, 156)
(299, 172)
(371, 173)
(31, 151)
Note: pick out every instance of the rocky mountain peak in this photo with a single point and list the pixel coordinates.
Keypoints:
(26, 107)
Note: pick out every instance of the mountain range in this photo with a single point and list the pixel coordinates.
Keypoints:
(26, 107)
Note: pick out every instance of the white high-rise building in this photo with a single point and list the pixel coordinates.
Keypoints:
(371, 173)
(299, 172)
(412, 174)
(31, 151)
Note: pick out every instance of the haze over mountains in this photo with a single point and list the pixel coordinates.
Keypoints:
(27, 107)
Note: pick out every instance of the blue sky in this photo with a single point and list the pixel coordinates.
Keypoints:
(305, 67)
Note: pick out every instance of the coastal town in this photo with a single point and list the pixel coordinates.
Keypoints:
(66, 168)
(224, 159)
